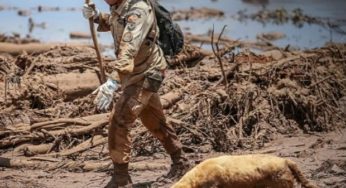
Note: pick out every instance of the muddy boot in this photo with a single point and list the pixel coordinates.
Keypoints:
(121, 177)
(180, 165)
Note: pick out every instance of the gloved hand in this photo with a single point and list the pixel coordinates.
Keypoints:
(89, 12)
(105, 94)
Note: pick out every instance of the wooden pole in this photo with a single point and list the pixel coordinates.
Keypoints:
(93, 34)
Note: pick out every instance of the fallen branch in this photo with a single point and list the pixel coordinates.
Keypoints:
(51, 164)
(80, 35)
(59, 121)
(72, 85)
(16, 49)
(30, 149)
(169, 99)
(90, 143)
(14, 140)
(207, 39)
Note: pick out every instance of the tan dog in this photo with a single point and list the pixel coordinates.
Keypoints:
(244, 171)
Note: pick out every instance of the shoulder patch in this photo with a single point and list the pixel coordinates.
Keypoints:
(131, 26)
(127, 37)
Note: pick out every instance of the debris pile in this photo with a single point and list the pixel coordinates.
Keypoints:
(196, 13)
(300, 91)
(48, 112)
(296, 17)
(17, 39)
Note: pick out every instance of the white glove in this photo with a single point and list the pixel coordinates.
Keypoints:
(105, 94)
(89, 12)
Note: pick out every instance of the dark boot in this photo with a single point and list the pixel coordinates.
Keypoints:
(180, 165)
(121, 177)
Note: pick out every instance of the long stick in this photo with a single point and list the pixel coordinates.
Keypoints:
(93, 34)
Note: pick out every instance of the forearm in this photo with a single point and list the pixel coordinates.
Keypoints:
(115, 76)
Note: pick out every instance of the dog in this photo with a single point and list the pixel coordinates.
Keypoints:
(244, 171)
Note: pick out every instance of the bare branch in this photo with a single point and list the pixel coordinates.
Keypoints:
(217, 53)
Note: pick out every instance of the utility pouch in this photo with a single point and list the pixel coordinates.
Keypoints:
(153, 80)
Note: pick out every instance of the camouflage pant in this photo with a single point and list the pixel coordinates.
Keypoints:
(136, 102)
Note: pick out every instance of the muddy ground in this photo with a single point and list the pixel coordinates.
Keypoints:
(321, 157)
(278, 101)
(244, 97)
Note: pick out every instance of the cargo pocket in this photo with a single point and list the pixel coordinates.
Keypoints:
(153, 80)
(136, 105)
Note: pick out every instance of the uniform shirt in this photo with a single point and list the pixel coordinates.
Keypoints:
(132, 26)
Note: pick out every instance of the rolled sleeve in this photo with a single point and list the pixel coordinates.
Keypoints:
(136, 29)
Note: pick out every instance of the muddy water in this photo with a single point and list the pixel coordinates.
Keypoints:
(60, 23)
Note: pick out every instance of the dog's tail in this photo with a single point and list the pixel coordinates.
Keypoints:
(299, 175)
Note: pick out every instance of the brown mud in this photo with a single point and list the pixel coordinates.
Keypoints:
(320, 156)
(279, 101)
